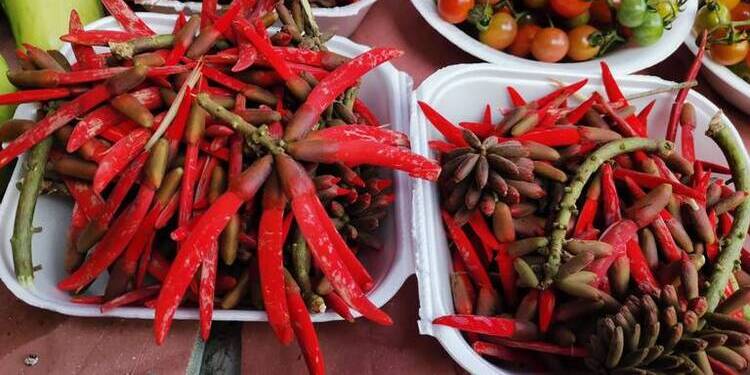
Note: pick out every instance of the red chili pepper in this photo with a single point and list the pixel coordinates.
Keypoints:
(359, 152)
(180, 22)
(480, 228)
(40, 95)
(553, 137)
(546, 308)
(651, 181)
(207, 289)
(345, 133)
(587, 216)
(98, 37)
(208, 12)
(140, 275)
(515, 97)
(68, 112)
(118, 158)
(545, 347)
(725, 224)
(491, 326)
(615, 95)
(85, 55)
(176, 129)
(467, 251)
(250, 91)
(482, 130)
(310, 215)
(577, 114)
(610, 199)
(451, 132)
(720, 368)
(713, 167)
(271, 261)
(205, 232)
(126, 17)
(134, 296)
(687, 126)
(487, 116)
(365, 113)
(113, 243)
(98, 120)
(643, 116)
(182, 40)
(201, 190)
(506, 354)
(508, 274)
(247, 54)
(87, 300)
(712, 249)
(441, 146)
(617, 235)
(337, 304)
(88, 202)
(326, 91)
(639, 268)
(189, 178)
(676, 110)
(303, 327)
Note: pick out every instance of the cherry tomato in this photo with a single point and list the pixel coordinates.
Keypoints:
(741, 13)
(631, 13)
(550, 45)
(601, 13)
(581, 19)
(569, 8)
(710, 16)
(650, 31)
(455, 11)
(535, 4)
(667, 9)
(580, 43)
(728, 53)
(729, 3)
(500, 32)
(521, 46)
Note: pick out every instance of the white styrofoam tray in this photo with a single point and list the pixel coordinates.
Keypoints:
(732, 88)
(626, 60)
(385, 90)
(341, 21)
(460, 93)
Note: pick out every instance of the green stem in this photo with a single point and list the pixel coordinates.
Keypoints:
(573, 191)
(127, 50)
(23, 227)
(255, 135)
(312, 26)
(731, 245)
(301, 263)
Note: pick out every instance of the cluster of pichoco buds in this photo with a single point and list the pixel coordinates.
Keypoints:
(227, 166)
(576, 236)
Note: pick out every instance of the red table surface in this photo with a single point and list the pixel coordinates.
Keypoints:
(67, 345)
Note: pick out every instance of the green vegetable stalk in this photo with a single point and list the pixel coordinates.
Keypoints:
(731, 245)
(574, 189)
(41, 22)
(6, 112)
(23, 227)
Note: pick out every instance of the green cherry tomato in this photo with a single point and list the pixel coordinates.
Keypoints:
(579, 20)
(711, 16)
(631, 13)
(650, 31)
(667, 9)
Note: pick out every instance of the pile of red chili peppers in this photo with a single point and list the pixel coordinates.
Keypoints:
(599, 223)
(215, 163)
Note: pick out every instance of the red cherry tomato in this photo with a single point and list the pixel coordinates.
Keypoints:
(601, 13)
(569, 8)
(455, 11)
(521, 46)
(550, 45)
(741, 13)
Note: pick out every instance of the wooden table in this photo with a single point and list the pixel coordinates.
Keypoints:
(67, 345)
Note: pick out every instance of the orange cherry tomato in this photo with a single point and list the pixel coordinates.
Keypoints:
(741, 13)
(730, 54)
(580, 43)
(500, 32)
(455, 11)
(521, 46)
(731, 4)
(550, 45)
(569, 8)
(601, 13)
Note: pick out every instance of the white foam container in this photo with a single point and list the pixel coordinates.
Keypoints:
(626, 60)
(339, 20)
(460, 93)
(732, 88)
(385, 90)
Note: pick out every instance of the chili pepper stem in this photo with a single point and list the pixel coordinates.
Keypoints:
(731, 245)
(23, 227)
(573, 191)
